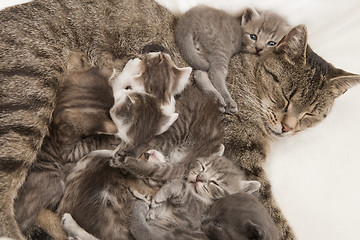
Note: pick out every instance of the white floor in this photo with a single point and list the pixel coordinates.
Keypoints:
(315, 174)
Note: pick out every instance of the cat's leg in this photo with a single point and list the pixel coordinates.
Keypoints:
(217, 73)
(203, 82)
(139, 227)
(74, 230)
(50, 222)
(171, 190)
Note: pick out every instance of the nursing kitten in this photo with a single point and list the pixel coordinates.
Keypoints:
(239, 216)
(157, 76)
(82, 110)
(179, 205)
(99, 196)
(207, 38)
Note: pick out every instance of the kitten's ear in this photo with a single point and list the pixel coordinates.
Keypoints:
(166, 123)
(221, 150)
(341, 82)
(250, 187)
(248, 15)
(182, 76)
(254, 231)
(294, 44)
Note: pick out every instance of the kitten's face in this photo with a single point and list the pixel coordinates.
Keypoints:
(262, 32)
(216, 176)
(298, 88)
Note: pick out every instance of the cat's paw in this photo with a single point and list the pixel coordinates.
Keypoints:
(231, 106)
(69, 225)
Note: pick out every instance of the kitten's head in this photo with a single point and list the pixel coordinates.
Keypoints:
(139, 117)
(239, 216)
(216, 176)
(161, 77)
(262, 30)
(298, 87)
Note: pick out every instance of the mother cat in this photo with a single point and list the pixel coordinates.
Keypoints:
(37, 37)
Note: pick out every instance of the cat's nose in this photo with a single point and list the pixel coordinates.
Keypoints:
(285, 128)
(258, 49)
(199, 179)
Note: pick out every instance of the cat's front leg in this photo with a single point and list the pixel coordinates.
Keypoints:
(168, 191)
(203, 82)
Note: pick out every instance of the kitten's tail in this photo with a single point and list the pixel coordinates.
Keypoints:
(185, 42)
(139, 228)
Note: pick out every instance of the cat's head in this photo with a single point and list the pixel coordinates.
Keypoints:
(298, 88)
(216, 176)
(138, 117)
(261, 30)
(239, 216)
(161, 77)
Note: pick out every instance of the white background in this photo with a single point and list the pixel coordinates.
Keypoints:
(315, 174)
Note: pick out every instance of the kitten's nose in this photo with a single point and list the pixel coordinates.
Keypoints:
(199, 179)
(258, 49)
(285, 128)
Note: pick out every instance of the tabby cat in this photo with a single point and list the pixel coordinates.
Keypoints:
(35, 42)
(207, 38)
(239, 216)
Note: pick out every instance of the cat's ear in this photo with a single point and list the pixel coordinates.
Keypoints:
(167, 122)
(248, 15)
(250, 187)
(221, 150)
(254, 231)
(182, 76)
(341, 82)
(293, 44)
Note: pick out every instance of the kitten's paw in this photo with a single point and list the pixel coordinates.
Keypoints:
(231, 106)
(69, 224)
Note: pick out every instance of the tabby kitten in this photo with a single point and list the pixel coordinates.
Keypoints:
(157, 76)
(239, 216)
(97, 191)
(82, 110)
(177, 208)
(207, 38)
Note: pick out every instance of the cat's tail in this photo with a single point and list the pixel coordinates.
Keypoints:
(139, 227)
(191, 53)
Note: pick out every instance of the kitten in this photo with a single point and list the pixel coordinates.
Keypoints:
(79, 114)
(207, 38)
(96, 190)
(178, 206)
(239, 216)
(157, 75)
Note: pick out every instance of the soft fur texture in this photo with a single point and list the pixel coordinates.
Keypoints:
(35, 42)
(239, 216)
(207, 38)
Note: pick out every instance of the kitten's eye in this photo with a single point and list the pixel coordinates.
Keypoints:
(307, 115)
(214, 182)
(253, 37)
(271, 43)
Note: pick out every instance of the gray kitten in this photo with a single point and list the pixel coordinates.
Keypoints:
(179, 205)
(239, 216)
(207, 38)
